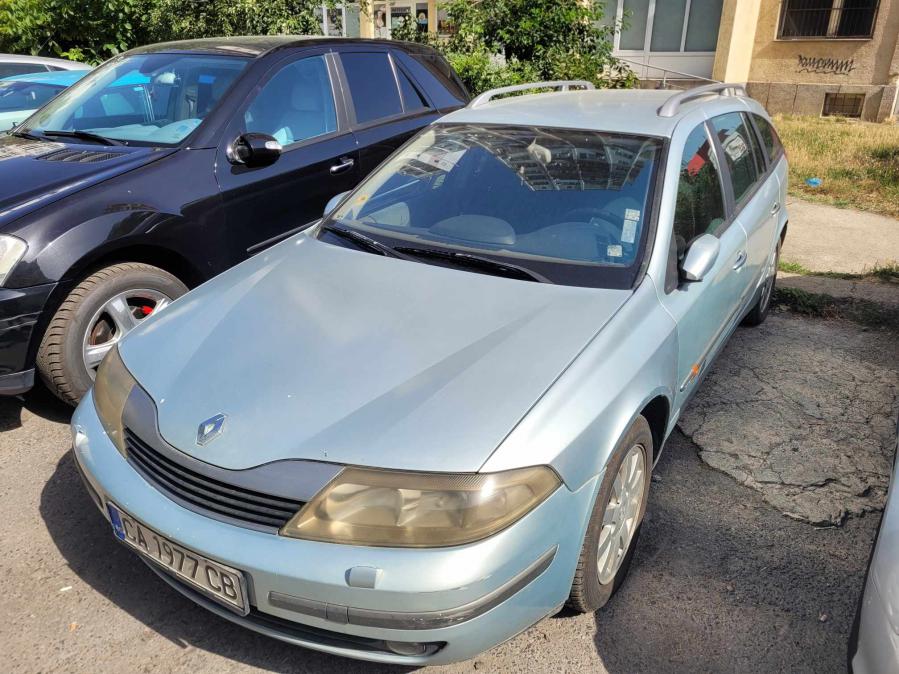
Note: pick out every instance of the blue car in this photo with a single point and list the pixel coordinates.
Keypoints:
(21, 95)
(428, 421)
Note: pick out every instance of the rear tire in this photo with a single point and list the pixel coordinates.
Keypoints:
(596, 578)
(94, 317)
(759, 311)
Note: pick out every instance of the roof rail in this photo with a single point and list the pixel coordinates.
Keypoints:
(562, 85)
(672, 105)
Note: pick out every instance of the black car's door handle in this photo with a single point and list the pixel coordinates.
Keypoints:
(346, 163)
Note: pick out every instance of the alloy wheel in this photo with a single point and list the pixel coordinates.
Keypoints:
(116, 318)
(619, 521)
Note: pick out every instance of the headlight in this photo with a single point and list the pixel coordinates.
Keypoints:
(111, 391)
(410, 510)
(11, 251)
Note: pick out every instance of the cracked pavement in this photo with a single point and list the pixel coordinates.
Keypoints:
(804, 412)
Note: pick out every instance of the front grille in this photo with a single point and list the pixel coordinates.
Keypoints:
(207, 494)
(80, 156)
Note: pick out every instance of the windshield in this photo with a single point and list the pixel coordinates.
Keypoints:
(16, 96)
(152, 99)
(569, 205)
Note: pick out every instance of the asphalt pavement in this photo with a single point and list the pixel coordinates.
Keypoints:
(721, 582)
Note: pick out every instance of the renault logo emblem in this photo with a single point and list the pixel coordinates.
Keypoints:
(210, 429)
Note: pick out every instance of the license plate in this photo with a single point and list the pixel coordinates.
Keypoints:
(223, 584)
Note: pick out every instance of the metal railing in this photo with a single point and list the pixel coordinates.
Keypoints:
(666, 71)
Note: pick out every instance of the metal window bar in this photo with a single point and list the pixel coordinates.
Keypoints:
(828, 19)
(843, 105)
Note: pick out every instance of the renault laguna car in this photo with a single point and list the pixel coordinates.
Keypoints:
(415, 429)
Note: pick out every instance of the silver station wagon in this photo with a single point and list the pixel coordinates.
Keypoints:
(420, 425)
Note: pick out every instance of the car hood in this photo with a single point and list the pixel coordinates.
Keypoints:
(314, 351)
(34, 173)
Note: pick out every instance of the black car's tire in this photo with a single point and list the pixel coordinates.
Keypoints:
(762, 306)
(61, 355)
(589, 591)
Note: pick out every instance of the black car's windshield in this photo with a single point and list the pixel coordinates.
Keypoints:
(154, 99)
(571, 206)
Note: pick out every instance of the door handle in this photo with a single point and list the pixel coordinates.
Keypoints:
(775, 208)
(740, 261)
(346, 163)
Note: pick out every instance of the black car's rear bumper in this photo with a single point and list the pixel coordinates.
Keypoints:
(20, 310)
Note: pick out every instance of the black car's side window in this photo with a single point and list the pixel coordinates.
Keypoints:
(372, 85)
(700, 200)
(769, 136)
(296, 104)
(735, 137)
(413, 99)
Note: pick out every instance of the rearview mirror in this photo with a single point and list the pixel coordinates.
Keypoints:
(700, 258)
(333, 201)
(254, 149)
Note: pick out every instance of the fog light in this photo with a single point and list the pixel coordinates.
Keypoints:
(410, 648)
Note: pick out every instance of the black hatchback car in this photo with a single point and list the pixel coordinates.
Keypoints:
(173, 162)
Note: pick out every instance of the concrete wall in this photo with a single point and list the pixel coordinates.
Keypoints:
(794, 75)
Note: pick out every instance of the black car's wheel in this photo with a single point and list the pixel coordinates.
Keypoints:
(98, 312)
(759, 311)
(615, 523)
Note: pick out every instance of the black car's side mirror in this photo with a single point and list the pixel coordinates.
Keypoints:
(254, 150)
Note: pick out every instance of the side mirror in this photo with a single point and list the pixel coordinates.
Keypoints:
(333, 201)
(700, 257)
(254, 149)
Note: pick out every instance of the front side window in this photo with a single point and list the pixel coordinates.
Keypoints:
(145, 99)
(827, 18)
(735, 138)
(10, 69)
(25, 95)
(572, 206)
(295, 104)
(700, 201)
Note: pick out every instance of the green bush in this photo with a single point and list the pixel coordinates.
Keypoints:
(479, 70)
(83, 30)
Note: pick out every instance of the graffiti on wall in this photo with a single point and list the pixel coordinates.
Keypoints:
(824, 65)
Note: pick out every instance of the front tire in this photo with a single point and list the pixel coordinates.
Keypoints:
(94, 317)
(615, 522)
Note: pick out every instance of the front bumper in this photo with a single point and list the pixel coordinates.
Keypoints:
(299, 590)
(20, 310)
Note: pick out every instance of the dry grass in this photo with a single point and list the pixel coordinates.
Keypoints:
(857, 162)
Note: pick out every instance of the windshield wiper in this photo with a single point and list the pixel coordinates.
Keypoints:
(82, 135)
(484, 264)
(25, 134)
(362, 241)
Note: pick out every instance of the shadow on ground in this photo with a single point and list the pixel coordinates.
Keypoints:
(84, 539)
(722, 582)
(39, 401)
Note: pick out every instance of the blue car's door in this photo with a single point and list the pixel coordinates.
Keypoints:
(704, 310)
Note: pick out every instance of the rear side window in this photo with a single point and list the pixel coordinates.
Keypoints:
(734, 135)
(700, 202)
(372, 85)
(10, 69)
(412, 97)
(769, 136)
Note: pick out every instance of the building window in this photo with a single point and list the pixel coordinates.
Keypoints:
(672, 26)
(843, 105)
(827, 19)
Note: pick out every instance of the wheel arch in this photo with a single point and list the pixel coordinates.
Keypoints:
(152, 254)
(656, 412)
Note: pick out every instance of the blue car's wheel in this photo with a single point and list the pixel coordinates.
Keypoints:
(615, 522)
